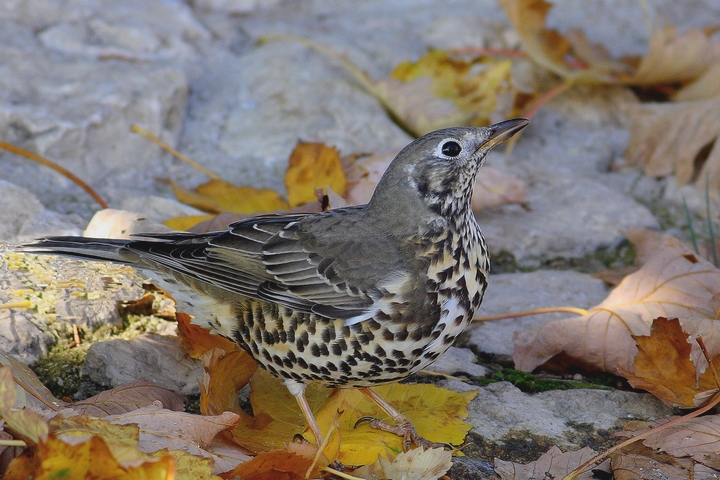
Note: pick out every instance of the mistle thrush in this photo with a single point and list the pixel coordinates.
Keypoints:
(351, 297)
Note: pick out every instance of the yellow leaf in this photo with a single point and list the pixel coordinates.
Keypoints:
(313, 166)
(186, 223)
(276, 414)
(29, 425)
(92, 458)
(218, 196)
(437, 414)
(439, 91)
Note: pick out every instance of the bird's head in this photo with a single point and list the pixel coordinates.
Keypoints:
(439, 168)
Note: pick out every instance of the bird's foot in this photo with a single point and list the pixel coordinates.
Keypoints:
(404, 429)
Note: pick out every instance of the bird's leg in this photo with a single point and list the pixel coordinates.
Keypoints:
(403, 427)
(307, 413)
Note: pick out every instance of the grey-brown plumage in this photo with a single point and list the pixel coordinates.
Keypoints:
(352, 297)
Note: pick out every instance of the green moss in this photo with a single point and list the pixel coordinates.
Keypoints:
(60, 369)
(530, 383)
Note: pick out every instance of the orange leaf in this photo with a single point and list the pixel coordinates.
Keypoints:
(225, 374)
(313, 166)
(274, 465)
(664, 367)
(198, 340)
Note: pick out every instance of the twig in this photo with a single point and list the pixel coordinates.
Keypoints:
(62, 171)
(487, 318)
(141, 131)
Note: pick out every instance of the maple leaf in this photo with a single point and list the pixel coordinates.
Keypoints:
(197, 340)
(217, 195)
(698, 438)
(313, 166)
(275, 464)
(664, 367)
(674, 283)
(552, 464)
(225, 374)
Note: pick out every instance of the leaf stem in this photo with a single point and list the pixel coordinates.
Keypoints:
(538, 311)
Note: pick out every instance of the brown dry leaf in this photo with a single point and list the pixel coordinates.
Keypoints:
(437, 413)
(638, 467)
(416, 464)
(32, 392)
(674, 283)
(440, 90)
(125, 398)
(313, 166)
(216, 196)
(492, 188)
(698, 438)
(675, 57)
(552, 464)
(161, 428)
(663, 366)
(550, 49)
(90, 458)
(197, 340)
(677, 138)
(225, 374)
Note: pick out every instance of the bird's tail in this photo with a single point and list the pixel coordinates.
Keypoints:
(83, 248)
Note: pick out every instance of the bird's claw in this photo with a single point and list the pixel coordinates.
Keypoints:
(406, 430)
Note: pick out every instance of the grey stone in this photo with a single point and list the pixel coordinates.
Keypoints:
(23, 334)
(500, 409)
(159, 359)
(516, 292)
(458, 360)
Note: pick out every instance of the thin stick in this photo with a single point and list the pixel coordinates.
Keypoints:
(13, 443)
(538, 311)
(141, 131)
(341, 474)
(62, 171)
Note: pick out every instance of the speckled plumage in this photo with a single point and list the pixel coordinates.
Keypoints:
(352, 297)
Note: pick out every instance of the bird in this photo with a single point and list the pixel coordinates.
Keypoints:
(351, 297)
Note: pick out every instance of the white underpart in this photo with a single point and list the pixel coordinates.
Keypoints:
(450, 311)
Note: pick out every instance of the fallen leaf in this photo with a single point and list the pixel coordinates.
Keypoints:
(225, 374)
(416, 464)
(677, 138)
(437, 414)
(675, 57)
(276, 414)
(32, 392)
(635, 467)
(663, 366)
(276, 464)
(440, 90)
(161, 428)
(552, 464)
(674, 283)
(197, 340)
(89, 458)
(313, 166)
(187, 222)
(216, 196)
(29, 425)
(126, 398)
(112, 223)
(698, 438)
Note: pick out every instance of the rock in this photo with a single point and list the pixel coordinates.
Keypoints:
(22, 335)
(567, 417)
(458, 360)
(159, 359)
(516, 292)
(247, 113)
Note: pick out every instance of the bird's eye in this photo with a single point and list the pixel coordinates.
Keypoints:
(451, 149)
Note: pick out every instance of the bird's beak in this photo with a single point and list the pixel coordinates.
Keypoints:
(502, 131)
